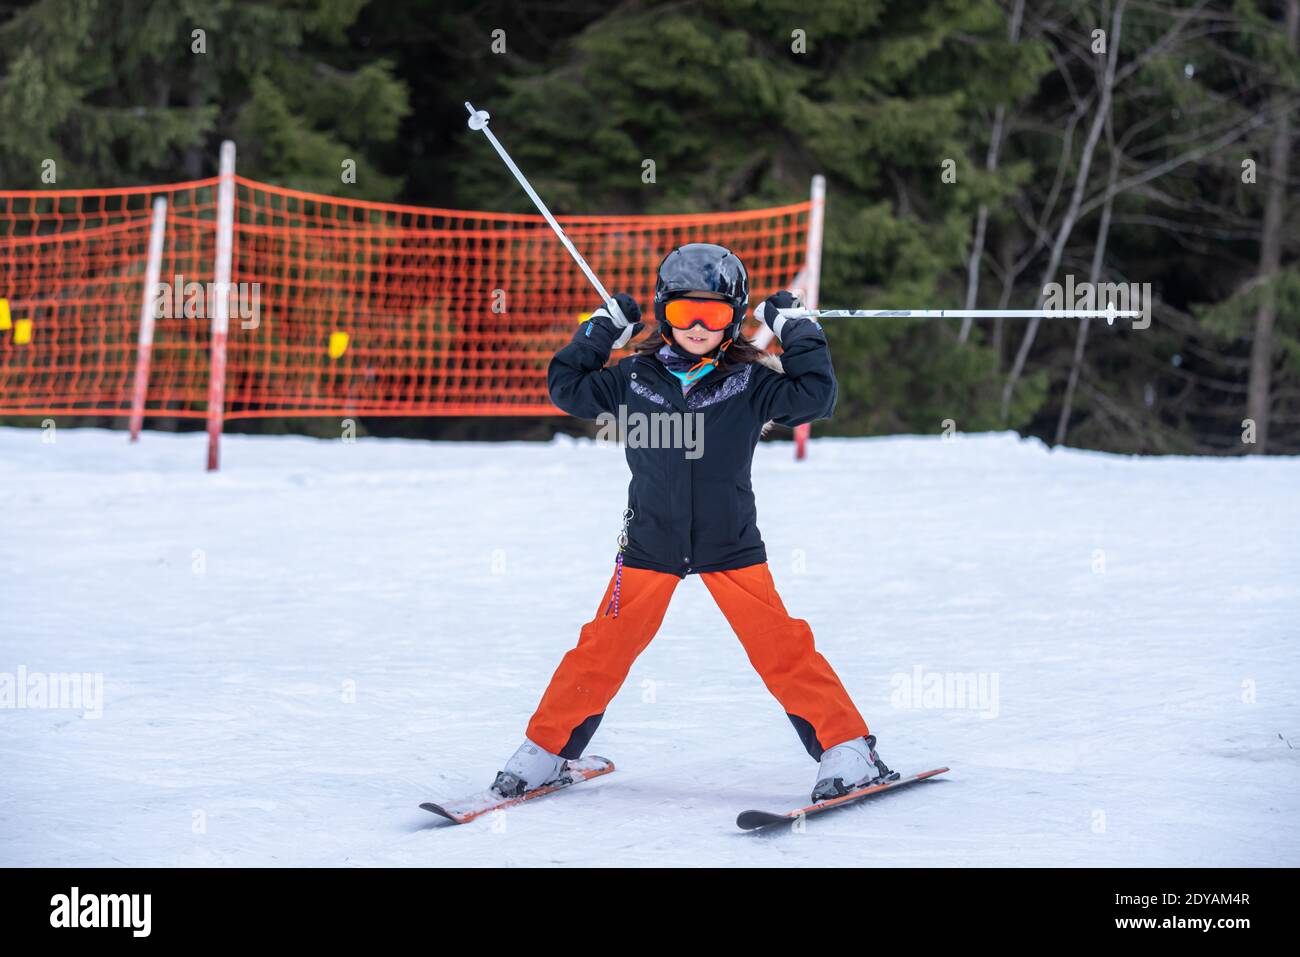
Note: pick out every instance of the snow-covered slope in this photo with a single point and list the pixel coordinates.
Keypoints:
(297, 651)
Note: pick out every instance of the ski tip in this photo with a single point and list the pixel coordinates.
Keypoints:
(752, 820)
(435, 809)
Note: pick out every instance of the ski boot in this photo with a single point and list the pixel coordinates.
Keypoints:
(529, 768)
(850, 766)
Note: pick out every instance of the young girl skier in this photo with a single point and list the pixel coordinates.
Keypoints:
(696, 514)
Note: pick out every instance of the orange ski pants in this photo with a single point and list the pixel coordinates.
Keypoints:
(779, 647)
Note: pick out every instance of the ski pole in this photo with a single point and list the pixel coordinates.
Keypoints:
(478, 120)
(1110, 313)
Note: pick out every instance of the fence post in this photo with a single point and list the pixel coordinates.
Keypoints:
(144, 353)
(812, 282)
(221, 301)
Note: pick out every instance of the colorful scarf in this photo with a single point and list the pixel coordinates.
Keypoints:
(688, 371)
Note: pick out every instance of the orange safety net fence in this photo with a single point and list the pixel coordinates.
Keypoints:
(337, 307)
(72, 276)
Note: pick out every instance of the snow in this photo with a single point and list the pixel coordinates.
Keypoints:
(298, 650)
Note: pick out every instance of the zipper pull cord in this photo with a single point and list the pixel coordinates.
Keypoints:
(618, 562)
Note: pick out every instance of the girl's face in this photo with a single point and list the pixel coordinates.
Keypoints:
(697, 340)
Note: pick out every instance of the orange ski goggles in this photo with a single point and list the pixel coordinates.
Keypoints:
(714, 314)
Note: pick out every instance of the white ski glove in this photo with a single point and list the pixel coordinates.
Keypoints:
(623, 313)
(768, 314)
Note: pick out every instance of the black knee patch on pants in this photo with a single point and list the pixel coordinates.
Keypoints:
(807, 735)
(580, 738)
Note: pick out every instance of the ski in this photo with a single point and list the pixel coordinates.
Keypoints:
(466, 809)
(751, 820)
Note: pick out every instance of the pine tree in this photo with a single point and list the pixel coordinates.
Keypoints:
(117, 92)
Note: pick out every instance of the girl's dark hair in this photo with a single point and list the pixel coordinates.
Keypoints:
(740, 352)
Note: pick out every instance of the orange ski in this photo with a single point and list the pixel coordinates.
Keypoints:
(750, 820)
(466, 809)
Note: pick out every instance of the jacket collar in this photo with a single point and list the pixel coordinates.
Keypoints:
(671, 387)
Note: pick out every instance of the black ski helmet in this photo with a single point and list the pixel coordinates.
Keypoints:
(704, 267)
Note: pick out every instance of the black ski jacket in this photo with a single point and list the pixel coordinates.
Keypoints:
(693, 507)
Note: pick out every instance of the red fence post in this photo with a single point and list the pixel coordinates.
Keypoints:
(140, 387)
(812, 282)
(221, 302)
